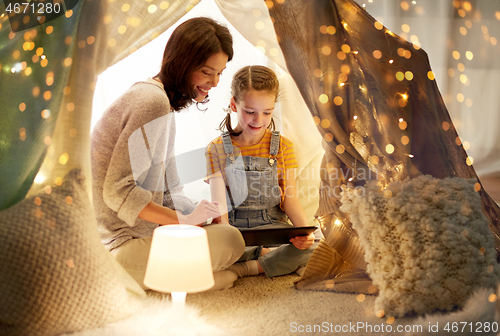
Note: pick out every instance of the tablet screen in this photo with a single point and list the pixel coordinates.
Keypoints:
(275, 236)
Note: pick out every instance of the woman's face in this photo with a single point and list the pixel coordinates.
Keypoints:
(207, 77)
(255, 112)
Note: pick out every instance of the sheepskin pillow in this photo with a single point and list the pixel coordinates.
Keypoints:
(426, 241)
(55, 275)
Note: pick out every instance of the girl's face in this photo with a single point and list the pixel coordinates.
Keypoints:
(255, 112)
(207, 77)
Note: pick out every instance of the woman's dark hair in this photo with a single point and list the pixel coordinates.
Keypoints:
(251, 77)
(189, 47)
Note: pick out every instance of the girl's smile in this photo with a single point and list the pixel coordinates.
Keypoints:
(255, 112)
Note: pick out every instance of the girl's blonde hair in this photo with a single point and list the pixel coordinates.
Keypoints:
(251, 77)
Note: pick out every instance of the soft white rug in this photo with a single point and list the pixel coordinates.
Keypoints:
(261, 306)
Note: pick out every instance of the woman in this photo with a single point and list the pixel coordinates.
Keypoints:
(135, 182)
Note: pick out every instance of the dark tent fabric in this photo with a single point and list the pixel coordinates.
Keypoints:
(380, 113)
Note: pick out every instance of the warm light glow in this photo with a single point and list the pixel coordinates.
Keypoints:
(45, 114)
(430, 75)
(40, 178)
(259, 25)
(63, 159)
(463, 78)
(152, 9)
(469, 55)
(377, 54)
(378, 25)
(389, 149)
(467, 6)
(323, 98)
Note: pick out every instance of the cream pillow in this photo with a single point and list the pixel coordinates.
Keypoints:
(426, 241)
(55, 275)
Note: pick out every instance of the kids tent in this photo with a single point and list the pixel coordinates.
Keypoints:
(346, 65)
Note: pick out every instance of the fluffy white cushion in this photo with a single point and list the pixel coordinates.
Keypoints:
(55, 275)
(426, 240)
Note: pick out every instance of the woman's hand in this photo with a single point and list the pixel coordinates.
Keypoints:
(303, 242)
(203, 211)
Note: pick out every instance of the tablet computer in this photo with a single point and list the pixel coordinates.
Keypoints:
(276, 236)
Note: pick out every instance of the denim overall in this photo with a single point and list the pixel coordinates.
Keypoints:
(254, 202)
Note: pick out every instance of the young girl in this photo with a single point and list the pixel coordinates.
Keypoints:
(255, 166)
(138, 130)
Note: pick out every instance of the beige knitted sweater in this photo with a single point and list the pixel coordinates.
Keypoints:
(132, 155)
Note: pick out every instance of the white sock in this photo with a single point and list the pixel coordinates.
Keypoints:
(245, 268)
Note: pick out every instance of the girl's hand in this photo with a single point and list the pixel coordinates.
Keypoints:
(203, 211)
(303, 242)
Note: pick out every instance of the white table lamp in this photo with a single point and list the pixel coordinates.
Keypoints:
(179, 263)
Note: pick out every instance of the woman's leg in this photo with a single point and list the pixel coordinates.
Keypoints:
(225, 243)
(133, 257)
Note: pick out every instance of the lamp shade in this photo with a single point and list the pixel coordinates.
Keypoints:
(179, 260)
